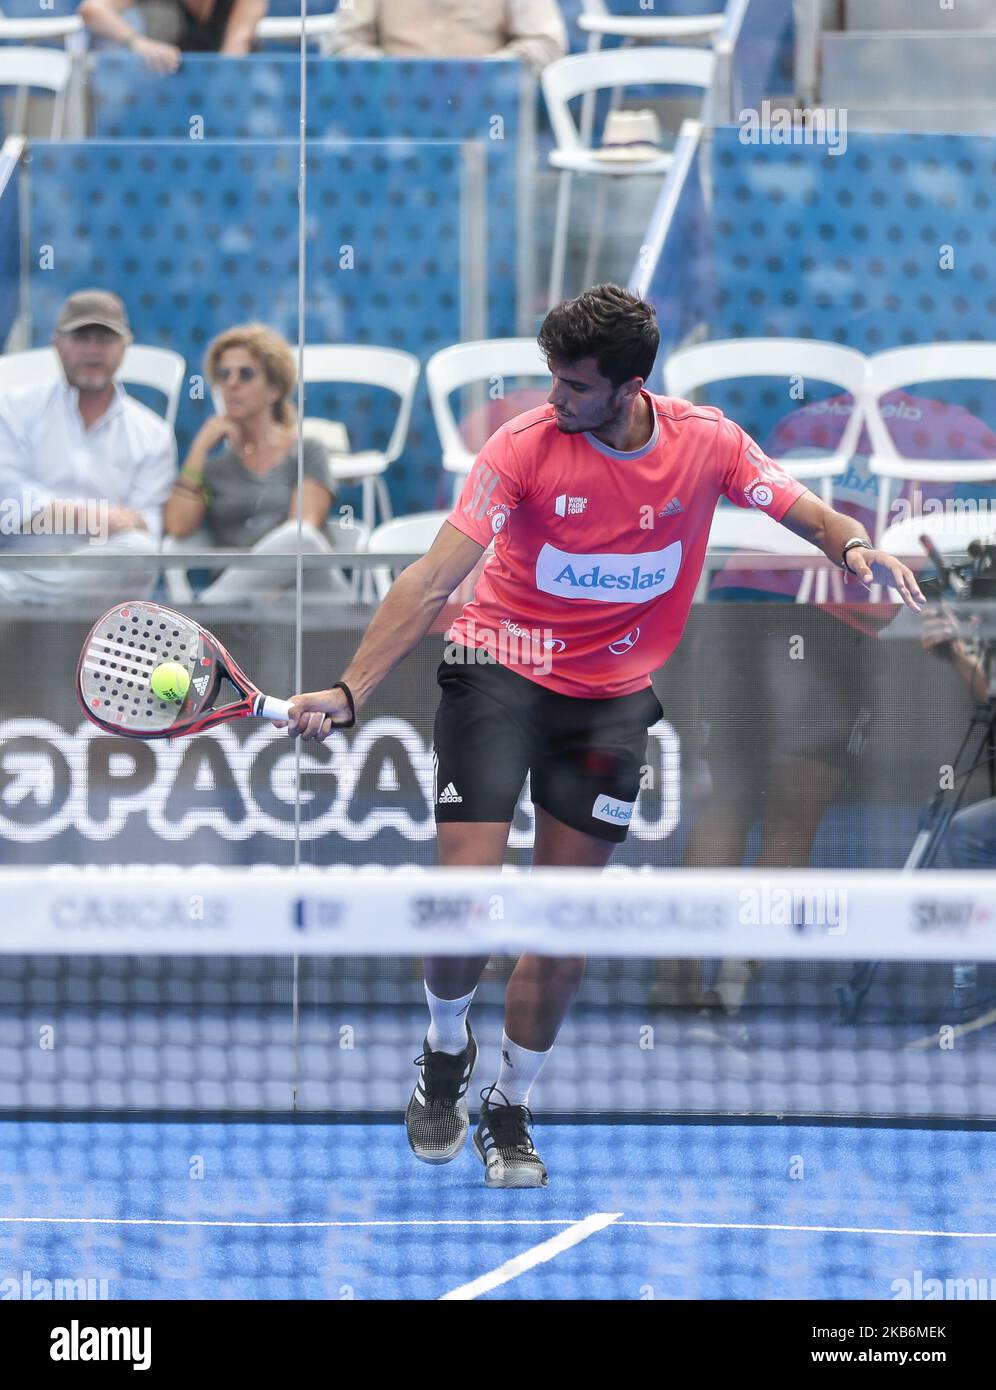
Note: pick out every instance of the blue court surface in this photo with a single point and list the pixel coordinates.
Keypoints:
(655, 1211)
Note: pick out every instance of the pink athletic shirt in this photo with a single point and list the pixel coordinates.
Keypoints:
(598, 552)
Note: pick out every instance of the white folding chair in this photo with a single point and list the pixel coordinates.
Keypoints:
(734, 528)
(414, 533)
(464, 364)
(27, 368)
(584, 73)
(951, 533)
(175, 577)
(913, 366)
(598, 21)
(287, 28)
(44, 28)
(49, 69)
(158, 368)
(349, 534)
(689, 369)
(342, 535)
(70, 30)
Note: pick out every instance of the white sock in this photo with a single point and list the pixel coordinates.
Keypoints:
(448, 1028)
(519, 1069)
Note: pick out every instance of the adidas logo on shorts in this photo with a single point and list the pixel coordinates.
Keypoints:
(449, 794)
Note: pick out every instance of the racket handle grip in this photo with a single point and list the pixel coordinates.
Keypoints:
(268, 707)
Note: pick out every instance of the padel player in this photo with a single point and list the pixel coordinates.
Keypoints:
(599, 504)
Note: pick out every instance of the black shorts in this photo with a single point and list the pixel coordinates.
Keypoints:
(584, 757)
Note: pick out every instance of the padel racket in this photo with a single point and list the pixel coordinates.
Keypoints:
(127, 644)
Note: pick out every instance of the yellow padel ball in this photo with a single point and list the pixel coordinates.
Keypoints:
(170, 681)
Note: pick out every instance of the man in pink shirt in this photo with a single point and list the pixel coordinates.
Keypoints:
(599, 504)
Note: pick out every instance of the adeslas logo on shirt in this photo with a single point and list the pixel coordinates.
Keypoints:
(608, 578)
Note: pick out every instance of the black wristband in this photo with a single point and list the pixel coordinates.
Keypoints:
(858, 543)
(341, 685)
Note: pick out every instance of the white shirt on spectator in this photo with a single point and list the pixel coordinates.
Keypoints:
(529, 29)
(127, 457)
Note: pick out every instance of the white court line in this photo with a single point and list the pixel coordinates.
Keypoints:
(820, 1230)
(566, 1222)
(269, 1225)
(958, 1031)
(538, 1255)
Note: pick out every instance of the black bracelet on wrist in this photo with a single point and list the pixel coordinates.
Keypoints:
(341, 685)
(858, 543)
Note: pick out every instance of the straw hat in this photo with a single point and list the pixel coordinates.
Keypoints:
(630, 137)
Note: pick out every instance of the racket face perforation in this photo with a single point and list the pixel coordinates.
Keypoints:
(121, 653)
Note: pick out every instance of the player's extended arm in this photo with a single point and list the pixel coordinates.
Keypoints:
(812, 519)
(404, 617)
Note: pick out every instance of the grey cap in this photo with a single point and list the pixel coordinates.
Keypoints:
(93, 306)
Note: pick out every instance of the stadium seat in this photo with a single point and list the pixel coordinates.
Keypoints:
(413, 534)
(592, 72)
(597, 21)
(287, 28)
(734, 529)
(462, 365)
(689, 369)
(900, 369)
(26, 368)
(47, 68)
(342, 534)
(158, 369)
(43, 29)
(951, 533)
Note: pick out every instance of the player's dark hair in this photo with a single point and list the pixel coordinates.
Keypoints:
(608, 323)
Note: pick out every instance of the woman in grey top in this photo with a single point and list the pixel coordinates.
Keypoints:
(246, 494)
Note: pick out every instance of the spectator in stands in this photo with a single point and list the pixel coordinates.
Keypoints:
(82, 463)
(159, 31)
(530, 29)
(246, 494)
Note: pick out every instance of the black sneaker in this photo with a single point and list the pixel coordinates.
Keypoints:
(504, 1146)
(436, 1118)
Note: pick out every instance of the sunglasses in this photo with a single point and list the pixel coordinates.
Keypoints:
(243, 373)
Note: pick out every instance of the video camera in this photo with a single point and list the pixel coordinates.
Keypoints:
(974, 579)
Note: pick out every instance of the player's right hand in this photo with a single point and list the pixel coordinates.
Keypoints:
(315, 716)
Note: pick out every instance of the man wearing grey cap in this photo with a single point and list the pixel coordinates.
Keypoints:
(82, 463)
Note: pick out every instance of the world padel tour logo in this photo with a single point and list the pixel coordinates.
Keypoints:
(608, 578)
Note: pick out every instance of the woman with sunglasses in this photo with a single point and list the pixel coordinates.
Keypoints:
(246, 494)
